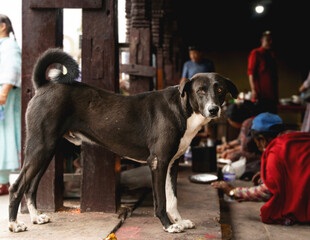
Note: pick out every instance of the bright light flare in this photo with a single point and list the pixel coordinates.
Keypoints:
(259, 9)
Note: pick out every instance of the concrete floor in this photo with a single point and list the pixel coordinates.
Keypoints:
(198, 202)
(4, 200)
(64, 225)
(245, 222)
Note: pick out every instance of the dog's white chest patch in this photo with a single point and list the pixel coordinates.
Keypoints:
(193, 125)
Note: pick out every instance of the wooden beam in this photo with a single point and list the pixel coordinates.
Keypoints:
(101, 168)
(41, 30)
(140, 44)
(157, 40)
(138, 70)
(100, 180)
(66, 4)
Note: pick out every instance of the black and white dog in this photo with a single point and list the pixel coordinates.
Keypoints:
(154, 127)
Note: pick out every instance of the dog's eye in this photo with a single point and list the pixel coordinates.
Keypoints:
(200, 91)
(219, 90)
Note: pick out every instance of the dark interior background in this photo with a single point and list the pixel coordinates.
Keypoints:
(228, 30)
(226, 25)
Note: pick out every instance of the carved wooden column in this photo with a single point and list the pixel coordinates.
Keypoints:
(177, 65)
(157, 39)
(140, 44)
(128, 19)
(171, 45)
(42, 29)
(167, 38)
(101, 168)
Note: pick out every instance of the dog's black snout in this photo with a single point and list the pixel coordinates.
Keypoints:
(214, 110)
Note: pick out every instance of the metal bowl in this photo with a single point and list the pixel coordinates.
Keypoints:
(203, 178)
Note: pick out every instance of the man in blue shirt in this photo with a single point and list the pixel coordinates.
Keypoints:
(196, 64)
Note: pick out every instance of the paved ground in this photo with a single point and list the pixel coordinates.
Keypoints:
(197, 202)
(4, 200)
(64, 225)
(245, 223)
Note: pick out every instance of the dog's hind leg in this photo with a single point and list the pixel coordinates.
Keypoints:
(36, 159)
(171, 197)
(31, 193)
(16, 193)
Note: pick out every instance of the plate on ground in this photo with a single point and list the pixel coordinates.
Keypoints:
(203, 178)
(223, 161)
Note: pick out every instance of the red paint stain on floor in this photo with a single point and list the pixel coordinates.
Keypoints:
(210, 236)
(128, 233)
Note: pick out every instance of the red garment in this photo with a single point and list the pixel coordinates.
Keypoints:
(262, 65)
(285, 171)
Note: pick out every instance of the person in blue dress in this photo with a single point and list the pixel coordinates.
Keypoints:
(10, 103)
(196, 64)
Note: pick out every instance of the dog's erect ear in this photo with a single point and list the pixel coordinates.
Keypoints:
(232, 89)
(184, 86)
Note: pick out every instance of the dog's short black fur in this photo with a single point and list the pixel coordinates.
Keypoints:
(154, 127)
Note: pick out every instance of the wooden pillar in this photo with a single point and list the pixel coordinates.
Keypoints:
(171, 46)
(157, 37)
(140, 44)
(167, 35)
(42, 29)
(101, 168)
(177, 65)
(128, 19)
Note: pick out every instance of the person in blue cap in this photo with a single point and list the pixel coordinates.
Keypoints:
(266, 127)
(285, 173)
(241, 116)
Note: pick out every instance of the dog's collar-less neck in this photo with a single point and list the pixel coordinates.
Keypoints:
(193, 124)
(186, 106)
(196, 121)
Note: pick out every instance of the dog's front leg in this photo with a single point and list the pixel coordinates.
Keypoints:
(171, 196)
(159, 174)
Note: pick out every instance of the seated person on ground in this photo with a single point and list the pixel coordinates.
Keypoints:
(285, 173)
(241, 116)
(206, 133)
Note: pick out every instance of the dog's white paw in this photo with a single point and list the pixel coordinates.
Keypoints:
(175, 228)
(187, 224)
(17, 227)
(40, 219)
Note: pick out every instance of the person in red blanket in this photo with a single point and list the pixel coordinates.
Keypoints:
(285, 173)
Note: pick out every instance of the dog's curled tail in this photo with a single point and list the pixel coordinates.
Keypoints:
(52, 56)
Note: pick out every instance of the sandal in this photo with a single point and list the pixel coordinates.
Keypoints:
(4, 189)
